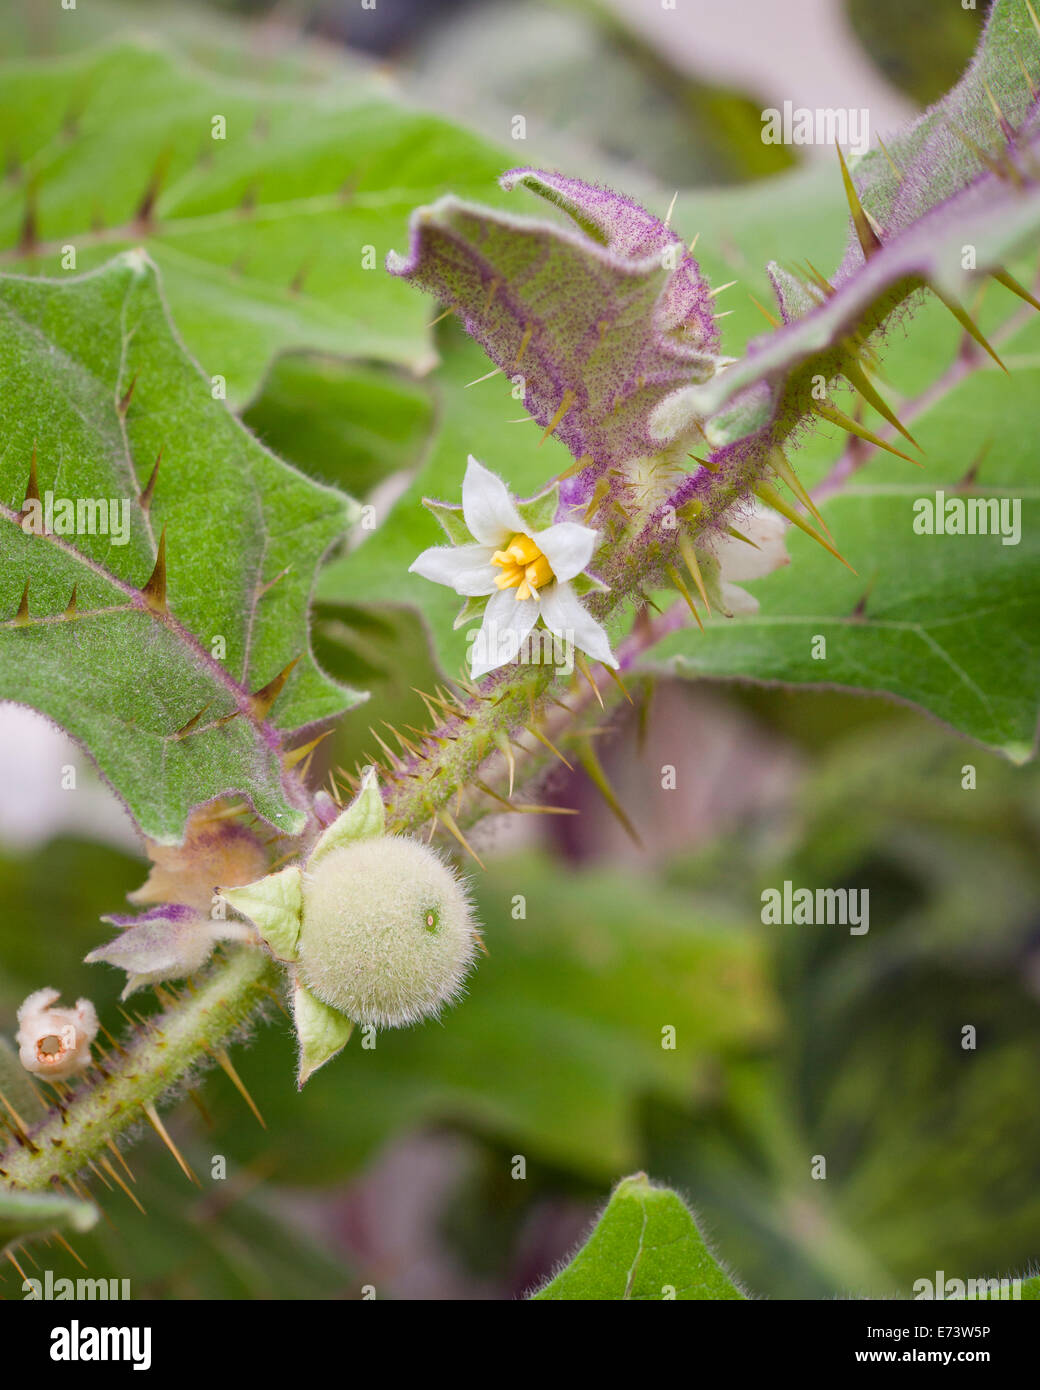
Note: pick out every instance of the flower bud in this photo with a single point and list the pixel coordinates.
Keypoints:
(55, 1042)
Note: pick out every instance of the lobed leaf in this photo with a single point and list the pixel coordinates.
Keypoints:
(179, 658)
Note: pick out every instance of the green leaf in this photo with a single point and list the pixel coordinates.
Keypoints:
(243, 534)
(269, 239)
(275, 905)
(646, 1245)
(947, 622)
(29, 1213)
(350, 424)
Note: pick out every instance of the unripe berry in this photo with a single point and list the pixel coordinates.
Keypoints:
(387, 933)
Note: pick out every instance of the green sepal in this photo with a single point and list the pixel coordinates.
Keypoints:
(321, 1032)
(471, 609)
(452, 522)
(583, 584)
(540, 511)
(275, 905)
(363, 819)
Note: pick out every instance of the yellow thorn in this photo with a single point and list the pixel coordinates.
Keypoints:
(1010, 283)
(677, 579)
(891, 162)
(297, 755)
(1025, 74)
(772, 497)
(120, 1183)
(598, 493)
(739, 536)
(965, 321)
(861, 382)
(19, 1122)
(1004, 168)
(392, 757)
(868, 239)
(671, 209)
(1032, 16)
(770, 318)
(405, 743)
(492, 291)
(523, 345)
(486, 377)
(690, 557)
(62, 1241)
(576, 467)
(155, 590)
(694, 242)
(594, 768)
(227, 1067)
(186, 729)
(21, 618)
(124, 402)
(821, 280)
(826, 411)
(781, 465)
(261, 700)
(581, 661)
(160, 1129)
(145, 498)
(619, 683)
(21, 1271)
(446, 820)
(502, 743)
(70, 607)
(536, 733)
(111, 1145)
(98, 1174)
(727, 286)
(439, 317)
(562, 409)
(32, 487)
(1006, 128)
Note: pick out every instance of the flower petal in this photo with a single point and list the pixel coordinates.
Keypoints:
(568, 547)
(507, 621)
(739, 562)
(490, 512)
(465, 568)
(563, 615)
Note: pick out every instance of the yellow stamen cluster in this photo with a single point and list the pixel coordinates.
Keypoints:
(524, 567)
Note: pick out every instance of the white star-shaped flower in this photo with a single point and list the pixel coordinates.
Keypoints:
(527, 571)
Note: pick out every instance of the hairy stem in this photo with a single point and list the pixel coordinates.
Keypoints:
(165, 1050)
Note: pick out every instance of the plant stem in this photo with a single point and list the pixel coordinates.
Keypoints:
(162, 1053)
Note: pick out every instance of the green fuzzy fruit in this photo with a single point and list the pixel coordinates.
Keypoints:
(388, 934)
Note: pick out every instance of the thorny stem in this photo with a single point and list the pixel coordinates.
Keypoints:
(184, 1036)
(164, 1051)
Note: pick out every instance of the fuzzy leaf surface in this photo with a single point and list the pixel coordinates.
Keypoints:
(646, 1245)
(270, 237)
(244, 533)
